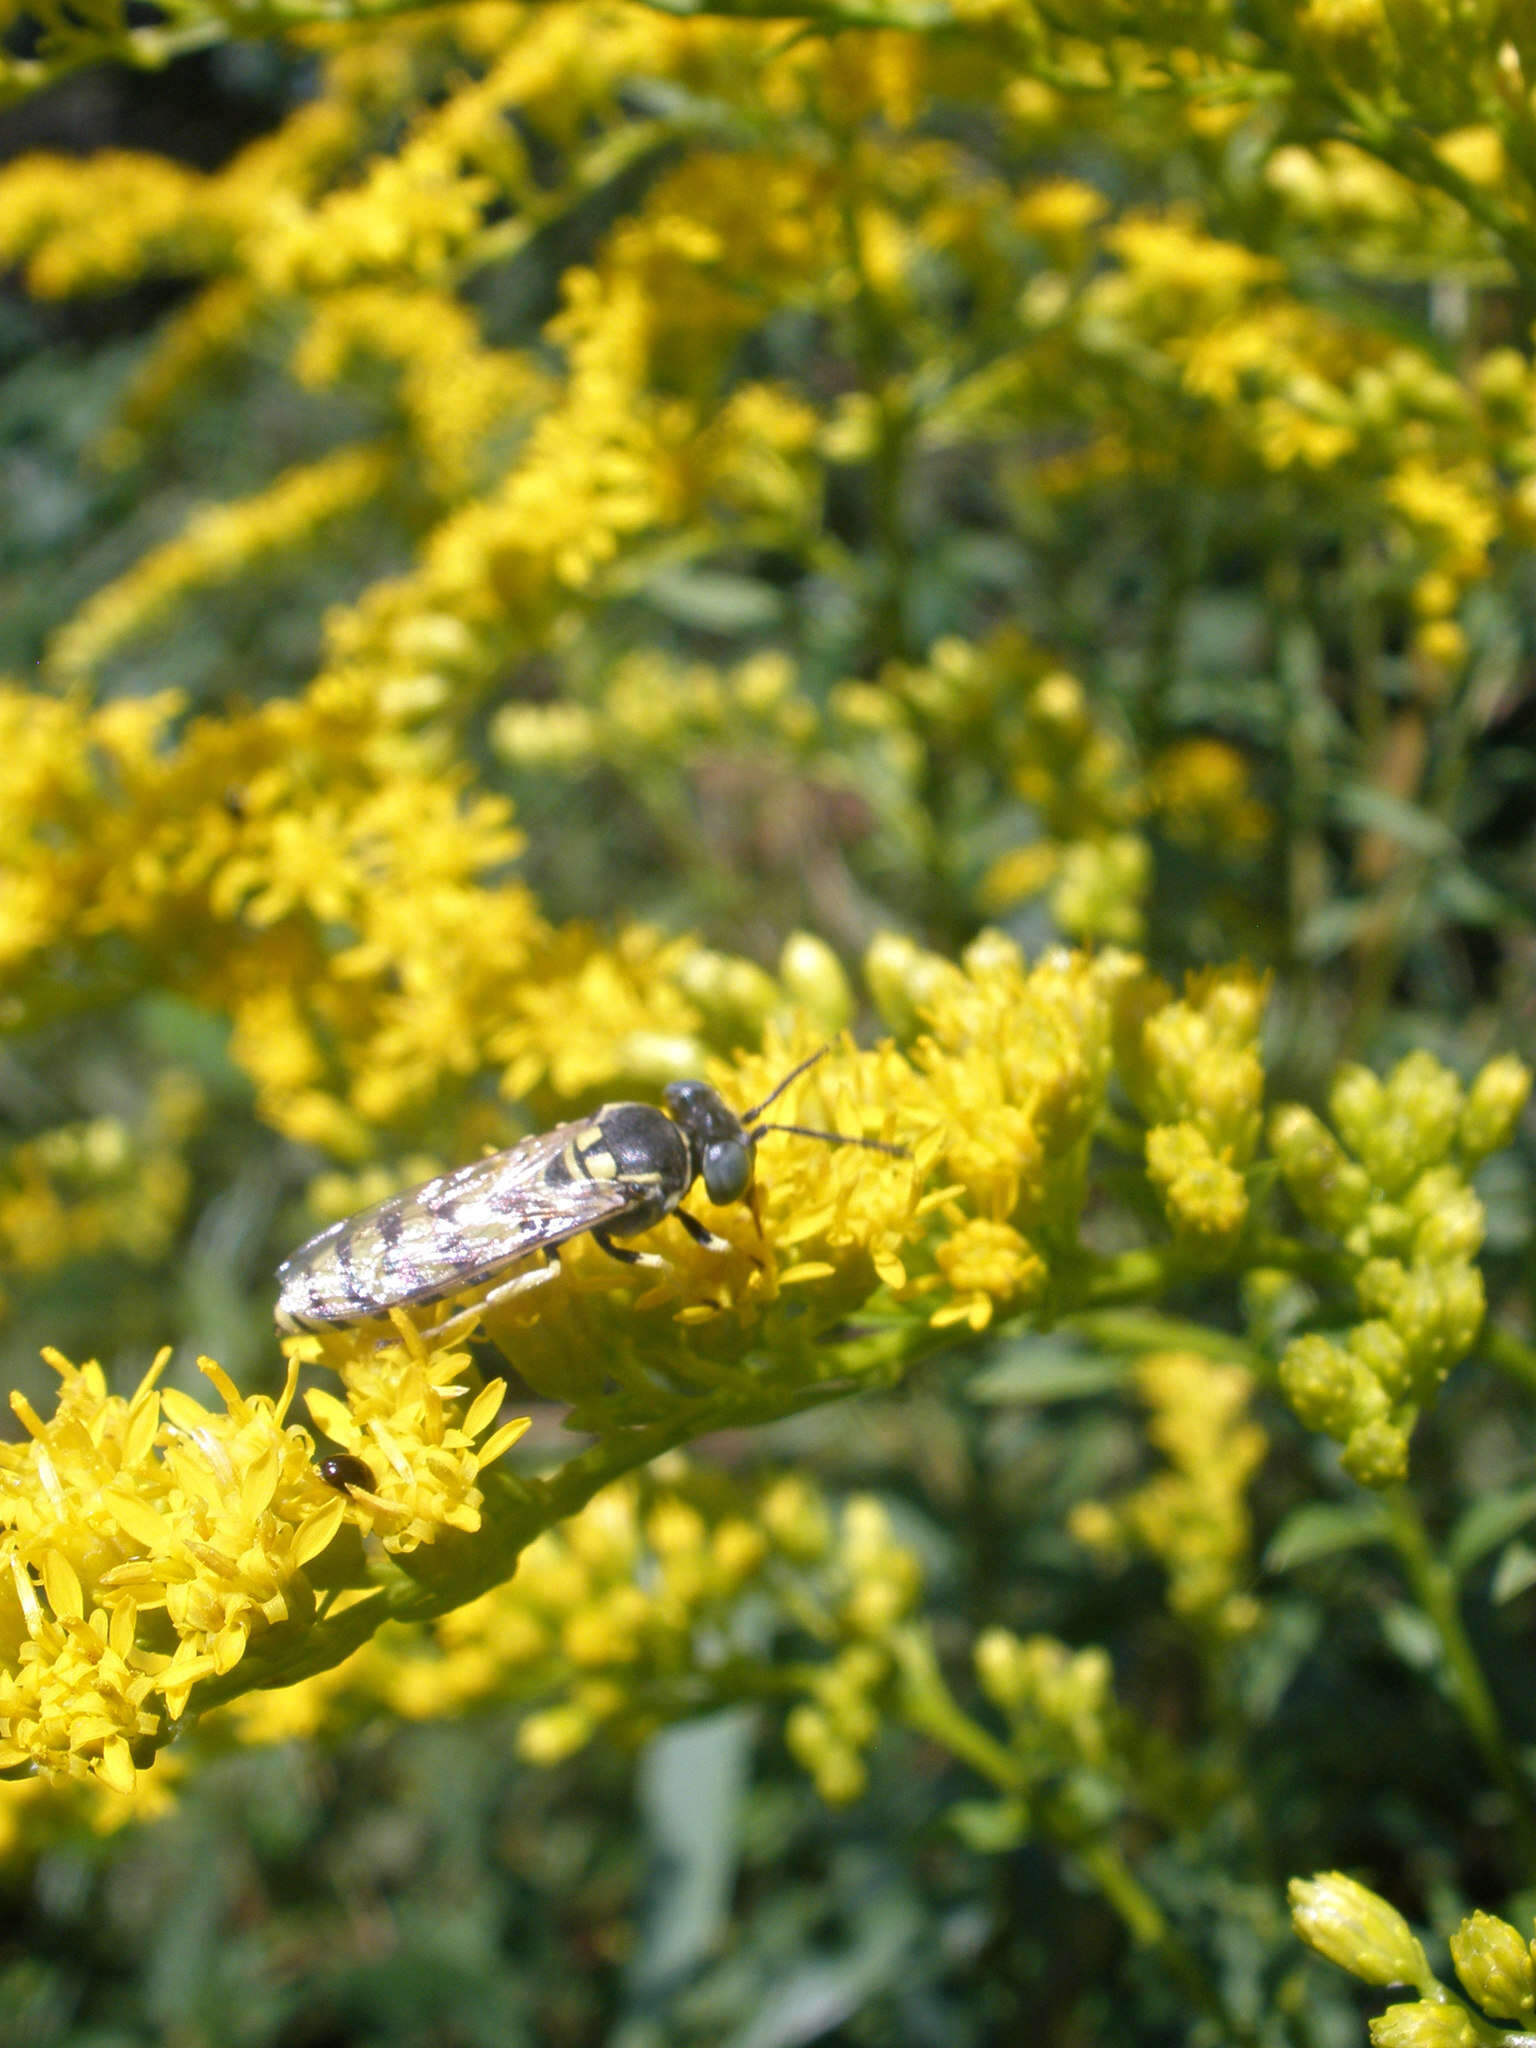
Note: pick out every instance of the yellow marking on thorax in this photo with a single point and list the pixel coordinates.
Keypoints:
(591, 1154)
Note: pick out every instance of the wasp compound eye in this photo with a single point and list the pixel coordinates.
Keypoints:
(727, 1170)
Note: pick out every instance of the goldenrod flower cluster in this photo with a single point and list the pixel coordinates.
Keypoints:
(1202, 792)
(886, 741)
(1193, 1515)
(1077, 779)
(150, 1542)
(1495, 1964)
(1193, 1069)
(99, 1183)
(127, 1509)
(648, 1605)
(1058, 1702)
(569, 503)
(992, 1107)
(548, 470)
(1393, 1189)
(347, 897)
(1257, 384)
(623, 444)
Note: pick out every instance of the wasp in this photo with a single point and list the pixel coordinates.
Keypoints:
(615, 1174)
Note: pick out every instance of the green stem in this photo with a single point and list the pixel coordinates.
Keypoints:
(1434, 1586)
(930, 1708)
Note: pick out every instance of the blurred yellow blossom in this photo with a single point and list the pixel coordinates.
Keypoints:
(1192, 1516)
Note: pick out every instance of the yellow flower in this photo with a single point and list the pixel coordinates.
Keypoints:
(116, 1510)
(985, 1263)
(1202, 791)
(1193, 1516)
(400, 1417)
(216, 545)
(149, 1542)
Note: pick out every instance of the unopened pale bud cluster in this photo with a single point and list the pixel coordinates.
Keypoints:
(1194, 1070)
(1426, 2023)
(1059, 1702)
(1192, 1514)
(1396, 1195)
(1078, 779)
(1495, 1964)
(829, 1733)
(1354, 1927)
(623, 1613)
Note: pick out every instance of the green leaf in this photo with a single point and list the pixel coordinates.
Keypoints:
(1486, 1524)
(818, 1997)
(990, 1826)
(1514, 1573)
(711, 601)
(1370, 809)
(1323, 1529)
(692, 1781)
(1333, 926)
(1028, 1375)
(1410, 1632)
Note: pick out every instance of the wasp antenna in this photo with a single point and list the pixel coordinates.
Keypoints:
(832, 1138)
(751, 1115)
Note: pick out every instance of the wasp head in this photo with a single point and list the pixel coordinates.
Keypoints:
(719, 1141)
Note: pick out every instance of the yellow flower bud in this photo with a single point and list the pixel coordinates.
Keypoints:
(875, 1605)
(1400, 1127)
(1492, 1108)
(813, 977)
(1356, 1928)
(1377, 1347)
(807, 1733)
(739, 1549)
(1325, 1183)
(737, 993)
(1376, 1454)
(1436, 1310)
(840, 1775)
(1494, 1963)
(1451, 1232)
(1356, 1102)
(673, 1528)
(794, 1515)
(903, 980)
(1426, 2023)
(1058, 703)
(553, 1735)
(1442, 643)
(1328, 1389)
(1205, 1199)
(1000, 1668)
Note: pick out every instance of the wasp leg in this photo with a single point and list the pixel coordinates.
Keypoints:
(625, 1256)
(700, 1233)
(508, 1290)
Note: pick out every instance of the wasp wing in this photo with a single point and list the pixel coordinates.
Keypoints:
(447, 1235)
